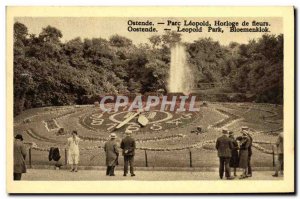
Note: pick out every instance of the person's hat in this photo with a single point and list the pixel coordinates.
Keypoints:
(224, 131)
(19, 137)
(128, 132)
(113, 135)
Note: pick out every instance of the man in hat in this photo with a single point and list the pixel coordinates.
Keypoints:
(19, 157)
(128, 147)
(112, 154)
(224, 147)
(245, 129)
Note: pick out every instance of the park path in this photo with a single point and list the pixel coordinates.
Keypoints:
(91, 175)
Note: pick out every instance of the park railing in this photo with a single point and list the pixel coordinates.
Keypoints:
(200, 156)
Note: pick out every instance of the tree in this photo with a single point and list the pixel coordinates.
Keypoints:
(20, 32)
(261, 69)
(155, 40)
(209, 58)
(48, 72)
(119, 41)
(157, 76)
(51, 34)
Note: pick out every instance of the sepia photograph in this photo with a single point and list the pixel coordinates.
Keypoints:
(150, 99)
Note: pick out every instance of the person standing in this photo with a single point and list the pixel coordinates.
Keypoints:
(234, 160)
(244, 153)
(112, 154)
(279, 152)
(19, 157)
(224, 147)
(73, 151)
(249, 168)
(128, 148)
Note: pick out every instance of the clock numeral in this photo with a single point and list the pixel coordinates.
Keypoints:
(97, 122)
(187, 116)
(156, 127)
(176, 121)
(133, 127)
(96, 116)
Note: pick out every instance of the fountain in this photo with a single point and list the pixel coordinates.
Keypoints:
(180, 76)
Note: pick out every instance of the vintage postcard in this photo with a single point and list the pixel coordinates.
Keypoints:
(150, 100)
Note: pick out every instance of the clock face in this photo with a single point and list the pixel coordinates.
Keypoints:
(157, 120)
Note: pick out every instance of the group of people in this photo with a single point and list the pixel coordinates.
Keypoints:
(111, 152)
(232, 152)
(237, 152)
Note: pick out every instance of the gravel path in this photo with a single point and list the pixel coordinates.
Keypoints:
(90, 175)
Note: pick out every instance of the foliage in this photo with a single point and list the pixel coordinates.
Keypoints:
(50, 72)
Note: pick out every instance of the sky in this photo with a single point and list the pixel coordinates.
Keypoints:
(95, 27)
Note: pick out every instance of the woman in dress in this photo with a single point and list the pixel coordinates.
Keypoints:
(234, 160)
(73, 151)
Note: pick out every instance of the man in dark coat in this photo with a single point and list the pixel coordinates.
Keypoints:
(112, 154)
(19, 157)
(224, 147)
(128, 146)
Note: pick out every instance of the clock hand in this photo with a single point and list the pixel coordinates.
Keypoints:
(127, 120)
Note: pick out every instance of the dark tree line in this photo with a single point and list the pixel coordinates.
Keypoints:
(50, 72)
